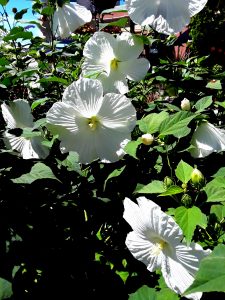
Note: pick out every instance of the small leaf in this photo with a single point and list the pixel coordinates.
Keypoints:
(5, 289)
(19, 14)
(54, 79)
(219, 211)
(38, 171)
(203, 103)
(188, 219)
(184, 171)
(3, 2)
(215, 190)
(120, 23)
(214, 84)
(154, 187)
(38, 102)
(172, 190)
(114, 173)
(131, 148)
(143, 293)
(211, 274)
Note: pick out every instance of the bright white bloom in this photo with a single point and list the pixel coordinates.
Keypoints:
(17, 115)
(114, 60)
(90, 124)
(165, 16)
(156, 241)
(185, 104)
(206, 140)
(68, 18)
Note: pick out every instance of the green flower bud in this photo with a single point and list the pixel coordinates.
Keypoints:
(197, 178)
(186, 200)
(167, 182)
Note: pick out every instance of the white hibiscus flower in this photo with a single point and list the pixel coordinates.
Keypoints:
(114, 60)
(90, 124)
(17, 115)
(207, 139)
(165, 16)
(156, 241)
(68, 18)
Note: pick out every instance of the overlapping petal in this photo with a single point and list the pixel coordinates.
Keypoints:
(165, 16)
(114, 60)
(68, 18)
(90, 124)
(156, 240)
(207, 139)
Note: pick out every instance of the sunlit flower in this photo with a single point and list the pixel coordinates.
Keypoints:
(68, 18)
(17, 116)
(164, 16)
(114, 60)
(207, 139)
(90, 124)
(185, 104)
(147, 139)
(156, 240)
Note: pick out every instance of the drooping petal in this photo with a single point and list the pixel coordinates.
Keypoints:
(206, 140)
(17, 114)
(141, 248)
(177, 277)
(164, 16)
(85, 96)
(40, 150)
(115, 82)
(135, 69)
(68, 18)
(128, 47)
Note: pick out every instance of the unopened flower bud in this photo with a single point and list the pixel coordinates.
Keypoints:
(186, 200)
(147, 139)
(185, 104)
(14, 10)
(197, 178)
(167, 182)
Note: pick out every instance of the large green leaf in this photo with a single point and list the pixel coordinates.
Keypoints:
(151, 123)
(203, 103)
(154, 187)
(144, 293)
(219, 211)
(188, 219)
(184, 171)
(215, 189)
(211, 274)
(5, 289)
(38, 171)
(176, 124)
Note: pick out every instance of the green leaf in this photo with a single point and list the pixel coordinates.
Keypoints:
(47, 11)
(18, 33)
(215, 190)
(72, 162)
(123, 275)
(5, 289)
(172, 190)
(211, 274)
(188, 219)
(54, 79)
(3, 2)
(203, 103)
(151, 123)
(154, 187)
(176, 124)
(38, 171)
(131, 148)
(114, 173)
(38, 102)
(120, 23)
(29, 133)
(19, 14)
(184, 171)
(143, 293)
(219, 211)
(220, 173)
(214, 84)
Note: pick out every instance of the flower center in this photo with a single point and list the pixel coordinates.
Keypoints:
(158, 247)
(114, 64)
(93, 122)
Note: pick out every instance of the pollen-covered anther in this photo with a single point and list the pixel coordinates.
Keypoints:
(93, 122)
(114, 64)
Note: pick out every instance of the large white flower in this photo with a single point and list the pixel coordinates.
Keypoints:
(165, 16)
(17, 115)
(90, 124)
(156, 241)
(114, 60)
(68, 18)
(206, 140)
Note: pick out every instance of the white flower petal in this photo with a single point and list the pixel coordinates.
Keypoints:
(128, 47)
(135, 69)
(68, 18)
(206, 140)
(177, 277)
(141, 249)
(85, 96)
(115, 82)
(17, 114)
(164, 16)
